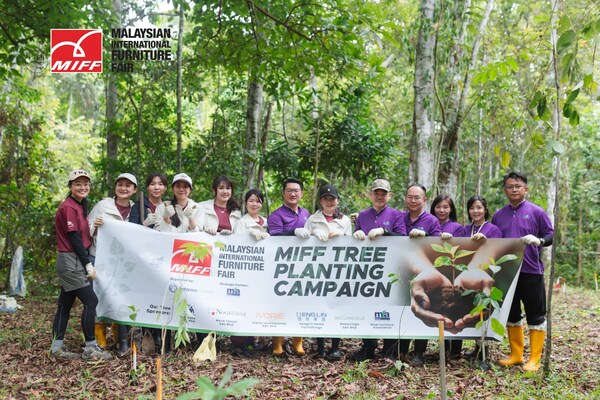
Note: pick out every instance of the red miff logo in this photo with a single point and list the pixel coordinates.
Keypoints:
(188, 264)
(76, 50)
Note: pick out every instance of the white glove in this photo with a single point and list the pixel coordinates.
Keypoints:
(479, 236)
(531, 239)
(170, 210)
(373, 233)
(210, 231)
(151, 219)
(445, 236)
(302, 233)
(322, 235)
(91, 271)
(258, 235)
(415, 233)
(353, 217)
(190, 212)
(226, 232)
(360, 235)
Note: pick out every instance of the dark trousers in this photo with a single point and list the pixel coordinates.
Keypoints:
(532, 292)
(88, 317)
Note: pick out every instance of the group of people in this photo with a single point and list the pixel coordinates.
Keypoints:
(222, 215)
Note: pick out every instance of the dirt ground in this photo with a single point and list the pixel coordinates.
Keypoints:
(28, 371)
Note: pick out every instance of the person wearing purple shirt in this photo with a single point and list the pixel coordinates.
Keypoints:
(480, 228)
(419, 223)
(525, 220)
(289, 220)
(378, 220)
(290, 216)
(445, 211)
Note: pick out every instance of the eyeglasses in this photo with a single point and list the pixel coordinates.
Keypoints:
(416, 198)
(293, 191)
(514, 187)
(81, 185)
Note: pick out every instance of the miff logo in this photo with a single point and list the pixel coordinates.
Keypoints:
(186, 263)
(76, 50)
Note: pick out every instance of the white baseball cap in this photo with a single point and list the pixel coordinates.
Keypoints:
(76, 174)
(182, 177)
(127, 176)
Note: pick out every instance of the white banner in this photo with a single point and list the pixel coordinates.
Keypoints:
(283, 286)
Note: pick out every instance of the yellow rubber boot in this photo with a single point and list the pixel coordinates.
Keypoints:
(297, 346)
(100, 333)
(277, 345)
(516, 338)
(536, 344)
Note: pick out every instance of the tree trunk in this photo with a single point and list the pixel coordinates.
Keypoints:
(448, 169)
(112, 97)
(423, 117)
(263, 143)
(179, 66)
(253, 117)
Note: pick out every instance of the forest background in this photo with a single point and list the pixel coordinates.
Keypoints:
(452, 94)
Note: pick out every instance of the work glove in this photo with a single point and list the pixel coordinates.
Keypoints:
(258, 235)
(210, 231)
(360, 235)
(170, 210)
(302, 233)
(190, 212)
(353, 217)
(531, 239)
(415, 233)
(445, 236)
(322, 235)
(226, 232)
(151, 219)
(91, 271)
(479, 236)
(373, 233)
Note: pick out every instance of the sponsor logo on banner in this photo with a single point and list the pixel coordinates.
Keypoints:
(220, 312)
(186, 263)
(270, 315)
(233, 292)
(382, 316)
(315, 316)
(76, 50)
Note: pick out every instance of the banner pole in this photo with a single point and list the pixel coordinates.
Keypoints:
(442, 361)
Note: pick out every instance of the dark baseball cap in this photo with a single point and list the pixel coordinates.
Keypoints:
(328, 190)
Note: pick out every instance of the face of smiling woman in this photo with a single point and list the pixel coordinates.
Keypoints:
(80, 188)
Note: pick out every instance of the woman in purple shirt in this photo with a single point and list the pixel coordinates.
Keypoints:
(480, 228)
(445, 211)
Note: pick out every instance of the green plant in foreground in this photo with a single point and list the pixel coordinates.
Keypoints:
(453, 254)
(208, 391)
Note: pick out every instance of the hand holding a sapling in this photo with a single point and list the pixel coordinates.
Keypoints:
(423, 284)
(474, 279)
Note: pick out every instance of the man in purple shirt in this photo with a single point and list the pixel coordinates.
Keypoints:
(290, 216)
(523, 219)
(419, 223)
(378, 220)
(289, 220)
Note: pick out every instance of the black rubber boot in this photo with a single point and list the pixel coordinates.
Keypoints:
(321, 348)
(334, 354)
(418, 358)
(123, 345)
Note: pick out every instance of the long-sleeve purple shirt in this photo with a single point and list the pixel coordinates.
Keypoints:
(426, 222)
(526, 219)
(390, 219)
(284, 220)
(490, 231)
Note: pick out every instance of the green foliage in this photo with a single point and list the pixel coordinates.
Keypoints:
(208, 391)
(453, 254)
